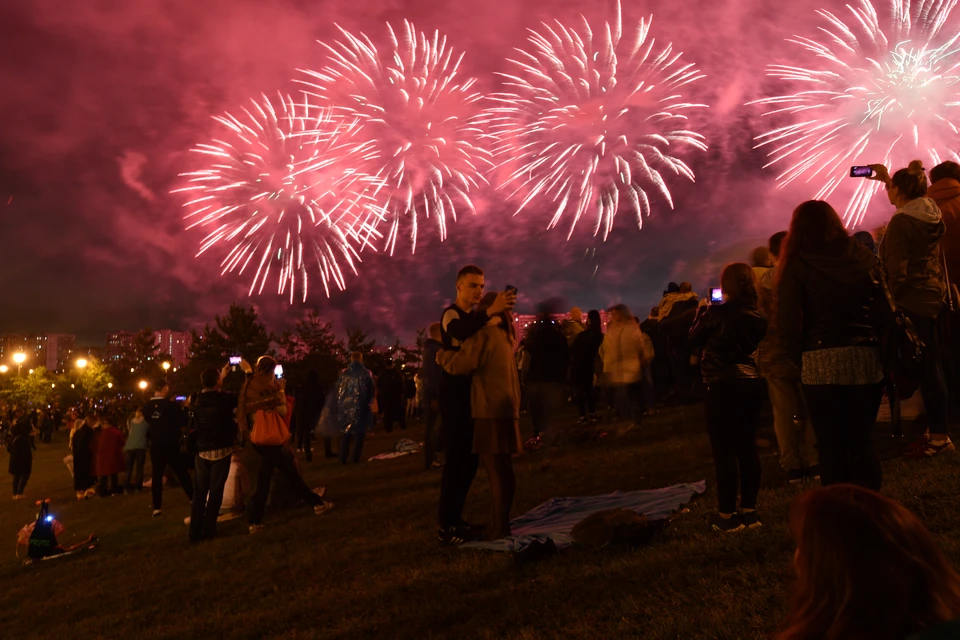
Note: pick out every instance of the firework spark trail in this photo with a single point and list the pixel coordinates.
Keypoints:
(422, 123)
(280, 189)
(874, 95)
(593, 119)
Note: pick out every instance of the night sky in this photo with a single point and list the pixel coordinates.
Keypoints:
(102, 101)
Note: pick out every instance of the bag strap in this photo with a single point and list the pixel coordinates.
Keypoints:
(946, 277)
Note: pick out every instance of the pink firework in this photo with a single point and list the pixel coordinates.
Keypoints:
(875, 89)
(281, 193)
(421, 121)
(591, 120)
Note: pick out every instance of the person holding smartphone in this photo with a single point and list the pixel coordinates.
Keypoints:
(728, 335)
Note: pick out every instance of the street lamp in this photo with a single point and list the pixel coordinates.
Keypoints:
(166, 366)
(30, 372)
(81, 363)
(109, 385)
(4, 368)
(143, 385)
(19, 358)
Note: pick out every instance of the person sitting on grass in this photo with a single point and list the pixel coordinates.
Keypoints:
(867, 569)
(728, 335)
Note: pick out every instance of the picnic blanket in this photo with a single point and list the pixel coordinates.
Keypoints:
(555, 518)
(404, 447)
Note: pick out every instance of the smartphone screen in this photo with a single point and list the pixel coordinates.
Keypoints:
(234, 360)
(860, 172)
(181, 398)
(278, 371)
(716, 295)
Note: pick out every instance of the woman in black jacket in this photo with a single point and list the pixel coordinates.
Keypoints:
(830, 302)
(583, 357)
(728, 335)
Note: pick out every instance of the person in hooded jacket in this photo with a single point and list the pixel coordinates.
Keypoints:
(829, 308)
(910, 254)
(355, 393)
(583, 356)
(110, 460)
(728, 336)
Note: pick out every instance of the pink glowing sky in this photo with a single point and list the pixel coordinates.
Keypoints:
(103, 101)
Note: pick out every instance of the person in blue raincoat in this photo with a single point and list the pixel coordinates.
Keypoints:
(356, 393)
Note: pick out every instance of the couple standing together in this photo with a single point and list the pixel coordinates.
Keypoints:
(479, 405)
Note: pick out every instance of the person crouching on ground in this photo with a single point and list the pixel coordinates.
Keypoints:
(728, 335)
(355, 393)
(262, 393)
(495, 405)
(867, 568)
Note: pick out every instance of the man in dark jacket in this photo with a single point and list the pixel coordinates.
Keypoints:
(547, 373)
(215, 422)
(430, 379)
(166, 419)
(390, 391)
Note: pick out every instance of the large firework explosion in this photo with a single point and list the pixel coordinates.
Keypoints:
(592, 119)
(280, 191)
(876, 90)
(421, 121)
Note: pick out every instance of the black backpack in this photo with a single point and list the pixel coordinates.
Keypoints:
(43, 541)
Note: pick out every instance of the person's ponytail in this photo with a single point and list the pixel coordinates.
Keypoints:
(911, 182)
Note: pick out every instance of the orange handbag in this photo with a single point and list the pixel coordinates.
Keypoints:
(269, 428)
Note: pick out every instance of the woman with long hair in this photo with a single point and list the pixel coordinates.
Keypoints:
(495, 405)
(867, 569)
(829, 302)
(728, 336)
(911, 257)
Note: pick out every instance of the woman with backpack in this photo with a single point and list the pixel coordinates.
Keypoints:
(728, 336)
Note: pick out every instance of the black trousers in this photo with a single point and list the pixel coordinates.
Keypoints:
(394, 412)
(933, 386)
(211, 476)
(274, 457)
(460, 462)
(733, 411)
(586, 401)
(843, 418)
(159, 459)
(20, 483)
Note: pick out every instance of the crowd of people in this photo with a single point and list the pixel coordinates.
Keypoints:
(816, 322)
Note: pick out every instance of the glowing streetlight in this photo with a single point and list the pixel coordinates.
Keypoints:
(53, 386)
(166, 366)
(81, 363)
(131, 369)
(4, 368)
(30, 372)
(73, 386)
(143, 385)
(19, 358)
(109, 385)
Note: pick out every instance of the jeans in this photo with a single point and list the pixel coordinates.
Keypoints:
(843, 418)
(274, 457)
(357, 439)
(733, 412)
(211, 478)
(159, 459)
(545, 398)
(586, 401)
(460, 462)
(933, 386)
(304, 437)
(135, 459)
(430, 436)
(791, 422)
(20, 484)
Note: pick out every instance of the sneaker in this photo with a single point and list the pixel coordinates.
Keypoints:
(322, 508)
(319, 491)
(583, 420)
(436, 464)
(813, 473)
(750, 519)
(456, 535)
(918, 444)
(594, 417)
(795, 476)
(255, 528)
(929, 450)
(474, 529)
(157, 513)
(726, 525)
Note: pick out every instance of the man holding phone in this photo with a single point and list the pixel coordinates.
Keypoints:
(459, 322)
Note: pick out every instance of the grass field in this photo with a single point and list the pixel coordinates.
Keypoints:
(371, 568)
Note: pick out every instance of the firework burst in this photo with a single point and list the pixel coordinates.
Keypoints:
(880, 91)
(280, 194)
(421, 122)
(592, 119)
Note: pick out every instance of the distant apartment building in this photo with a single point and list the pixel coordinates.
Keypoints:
(523, 322)
(50, 350)
(176, 344)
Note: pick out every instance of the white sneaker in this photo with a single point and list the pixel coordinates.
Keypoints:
(319, 491)
(157, 513)
(255, 528)
(323, 508)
